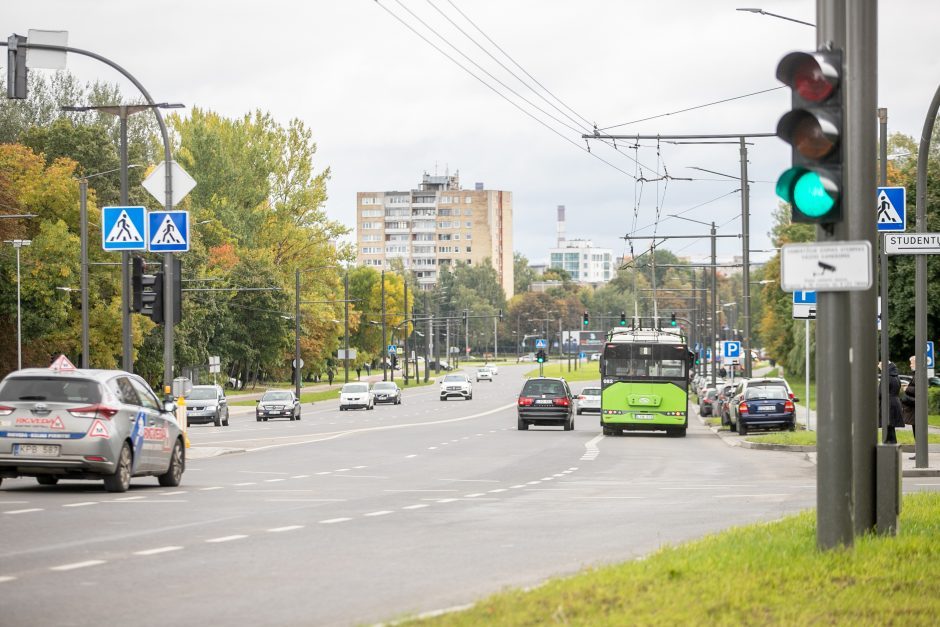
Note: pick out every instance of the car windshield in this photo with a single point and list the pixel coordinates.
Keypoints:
(202, 394)
(384, 386)
(50, 389)
(765, 392)
(355, 388)
(480, 370)
(591, 391)
(455, 377)
(551, 388)
(276, 396)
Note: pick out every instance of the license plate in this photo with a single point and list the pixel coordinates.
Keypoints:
(643, 416)
(767, 408)
(36, 450)
(543, 402)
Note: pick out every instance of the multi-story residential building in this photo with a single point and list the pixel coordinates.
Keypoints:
(439, 224)
(585, 263)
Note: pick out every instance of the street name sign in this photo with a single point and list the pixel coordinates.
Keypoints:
(912, 243)
(826, 266)
(891, 212)
(124, 228)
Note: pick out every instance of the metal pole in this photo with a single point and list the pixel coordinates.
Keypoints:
(834, 493)
(920, 293)
(127, 360)
(19, 314)
(806, 400)
(83, 219)
(346, 327)
(714, 309)
(746, 254)
(466, 336)
(495, 340)
(405, 342)
(384, 335)
(883, 259)
(297, 332)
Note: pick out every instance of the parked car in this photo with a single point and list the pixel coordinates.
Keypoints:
(765, 406)
(708, 396)
(456, 384)
(589, 400)
(720, 404)
(277, 404)
(443, 365)
(485, 374)
(356, 396)
(738, 397)
(64, 422)
(595, 357)
(386, 392)
(527, 357)
(545, 401)
(206, 403)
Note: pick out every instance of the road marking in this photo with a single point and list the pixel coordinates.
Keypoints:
(173, 493)
(325, 472)
(573, 468)
(359, 467)
(273, 480)
(497, 490)
(418, 506)
(215, 487)
(24, 511)
(516, 487)
(287, 528)
(410, 456)
(379, 513)
(300, 476)
(128, 498)
(246, 483)
(76, 565)
(532, 482)
(547, 478)
(447, 500)
(558, 474)
(473, 496)
(6, 579)
(748, 496)
(431, 448)
(162, 549)
(343, 470)
(82, 504)
(591, 451)
(226, 538)
(331, 521)
(472, 480)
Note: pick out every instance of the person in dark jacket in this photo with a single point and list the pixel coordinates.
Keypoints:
(895, 419)
(907, 399)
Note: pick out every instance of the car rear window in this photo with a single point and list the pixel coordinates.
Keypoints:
(50, 390)
(766, 392)
(591, 391)
(711, 394)
(384, 386)
(355, 388)
(555, 388)
(203, 394)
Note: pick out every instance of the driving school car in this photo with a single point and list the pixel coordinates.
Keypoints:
(69, 423)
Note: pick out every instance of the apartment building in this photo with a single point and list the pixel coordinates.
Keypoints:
(437, 225)
(583, 261)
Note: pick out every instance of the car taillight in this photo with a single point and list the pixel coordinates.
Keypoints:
(562, 402)
(5, 411)
(524, 401)
(92, 411)
(742, 408)
(791, 396)
(788, 406)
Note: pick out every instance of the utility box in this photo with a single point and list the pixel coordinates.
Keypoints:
(888, 488)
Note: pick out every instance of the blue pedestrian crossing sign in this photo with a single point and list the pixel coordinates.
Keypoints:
(929, 355)
(392, 349)
(541, 343)
(124, 228)
(891, 212)
(169, 231)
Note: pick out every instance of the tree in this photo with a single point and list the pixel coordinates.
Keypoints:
(523, 275)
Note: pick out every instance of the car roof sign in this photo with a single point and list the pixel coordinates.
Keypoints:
(61, 363)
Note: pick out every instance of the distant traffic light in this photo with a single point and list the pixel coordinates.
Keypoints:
(672, 320)
(464, 319)
(540, 356)
(814, 128)
(623, 319)
(585, 319)
(16, 67)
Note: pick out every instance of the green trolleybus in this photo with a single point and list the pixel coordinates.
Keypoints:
(645, 381)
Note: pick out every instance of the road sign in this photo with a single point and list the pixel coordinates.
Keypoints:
(708, 354)
(804, 297)
(392, 349)
(541, 343)
(912, 243)
(155, 183)
(341, 354)
(293, 362)
(826, 267)
(169, 231)
(930, 354)
(891, 212)
(804, 305)
(124, 228)
(731, 350)
(214, 364)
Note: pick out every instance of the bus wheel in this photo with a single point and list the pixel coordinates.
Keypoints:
(608, 431)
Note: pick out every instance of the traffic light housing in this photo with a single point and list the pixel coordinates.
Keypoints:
(585, 319)
(672, 321)
(814, 127)
(394, 361)
(148, 290)
(540, 356)
(623, 319)
(464, 316)
(16, 67)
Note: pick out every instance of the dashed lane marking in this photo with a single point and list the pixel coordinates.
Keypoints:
(417, 506)
(214, 487)
(516, 487)
(473, 496)
(333, 521)
(226, 538)
(82, 504)
(497, 490)
(300, 476)
(158, 551)
(287, 528)
(383, 512)
(447, 500)
(23, 511)
(410, 456)
(128, 498)
(244, 483)
(77, 565)
(272, 480)
(5, 579)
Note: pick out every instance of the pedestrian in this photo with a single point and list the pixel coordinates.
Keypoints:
(358, 372)
(895, 418)
(329, 375)
(907, 400)
(723, 372)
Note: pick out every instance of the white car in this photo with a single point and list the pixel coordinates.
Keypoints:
(493, 368)
(456, 384)
(484, 373)
(356, 396)
(589, 400)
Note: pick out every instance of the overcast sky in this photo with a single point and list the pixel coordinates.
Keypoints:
(385, 106)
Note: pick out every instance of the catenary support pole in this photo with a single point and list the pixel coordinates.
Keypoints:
(384, 334)
(883, 259)
(746, 257)
(297, 332)
(83, 285)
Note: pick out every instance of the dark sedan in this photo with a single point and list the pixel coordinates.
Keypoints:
(545, 401)
(387, 392)
(278, 404)
(766, 407)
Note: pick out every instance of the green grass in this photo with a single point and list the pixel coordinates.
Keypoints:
(934, 420)
(808, 438)
(799, 390)
(763, 574)
(588, 371)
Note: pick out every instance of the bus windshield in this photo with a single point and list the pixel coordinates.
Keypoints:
(642, 361)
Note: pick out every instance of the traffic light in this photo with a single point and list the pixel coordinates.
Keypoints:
(540, 356)
(16, 67)
(585, 319)
(394, 361)
(464, 319)
(672, 321)
(623, 319)
(148, 291)
(814, 128)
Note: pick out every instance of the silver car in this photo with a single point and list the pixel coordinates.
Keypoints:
(206, 403)
(69, 423)
(589, 400)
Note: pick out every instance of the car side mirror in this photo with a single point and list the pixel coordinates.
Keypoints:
(169, 407)
(257, 400)
(796, 400)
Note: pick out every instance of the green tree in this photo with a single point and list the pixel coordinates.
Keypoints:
(523, 275)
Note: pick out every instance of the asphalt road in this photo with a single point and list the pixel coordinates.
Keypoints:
(356, 517)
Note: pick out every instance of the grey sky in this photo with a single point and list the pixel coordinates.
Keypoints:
(384, 106)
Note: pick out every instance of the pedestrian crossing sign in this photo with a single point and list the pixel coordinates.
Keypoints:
(124, 228)
(891, 213)
(169, 231)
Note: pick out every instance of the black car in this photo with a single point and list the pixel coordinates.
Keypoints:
(766, 406)
(706, 399)
(545, 401)
(387, 392)
(278, 404)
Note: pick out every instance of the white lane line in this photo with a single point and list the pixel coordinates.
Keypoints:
(343, 470)
(591, 451)
(359, 467)
(558, 474)
(300, 476)
(7, 578)
(23, 511)
(418, 506)
(748, 496)
(431, 448)
(157, 551)
(379, 513)
(128, 498)
(226, 538)
(547, 478)
(472, 480)
(479, 435)
(173, 493)
(446, 500)
(325, 472)
(516, 487)
(76, 565)
(272, 480)
(331, 521)
(246, 483)
(573, 468)
(410, 456)
(287, 528)
(532, 482)
(473, 496)
(497, 490)
(214, 487)
(82, 504)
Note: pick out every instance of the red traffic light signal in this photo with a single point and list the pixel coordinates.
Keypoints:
(814, 128)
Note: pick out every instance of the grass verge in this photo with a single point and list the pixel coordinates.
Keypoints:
(586, 371)
(808, 438)
(799, 390)
(764, 574)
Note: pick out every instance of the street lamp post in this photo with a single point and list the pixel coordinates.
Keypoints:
(18, 244)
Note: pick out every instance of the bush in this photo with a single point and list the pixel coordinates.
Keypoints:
(933, 400)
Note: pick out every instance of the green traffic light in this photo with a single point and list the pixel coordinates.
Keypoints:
(811, 196)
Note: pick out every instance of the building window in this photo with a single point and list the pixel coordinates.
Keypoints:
(468, 249)
(371, 213)
(367, 200)
(370, 225)
(456, 235)
(375, 237)
(468, 225)
(468, 200)
(466, 236)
